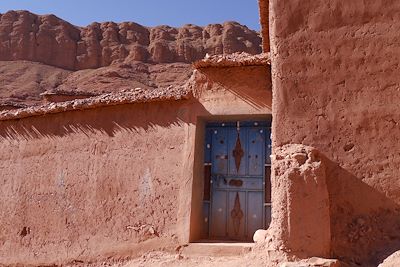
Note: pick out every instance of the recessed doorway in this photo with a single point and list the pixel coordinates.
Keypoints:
(237, 188)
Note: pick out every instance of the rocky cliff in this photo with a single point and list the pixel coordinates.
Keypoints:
(46, 53)
(53, 41)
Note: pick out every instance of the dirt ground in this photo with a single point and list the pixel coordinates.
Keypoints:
(167, 259)
(255, 258)
(162, 258)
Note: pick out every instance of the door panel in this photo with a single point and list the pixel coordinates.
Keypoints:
(219, 154)
(268, 146)
(268, 215)
(206, 219)
(237, 215)
(218, 214)
(254, 212)
(256, 147)
(237, 151)
(208, 142)
(267, 190)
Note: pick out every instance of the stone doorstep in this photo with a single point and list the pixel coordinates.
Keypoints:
(313, 262)
(216, 249)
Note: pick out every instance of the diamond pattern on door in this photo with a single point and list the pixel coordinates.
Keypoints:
(237, 159)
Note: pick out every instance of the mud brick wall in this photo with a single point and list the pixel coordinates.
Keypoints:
(72, 188)
(336, 86)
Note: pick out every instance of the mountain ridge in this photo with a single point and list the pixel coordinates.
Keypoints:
(53, 41)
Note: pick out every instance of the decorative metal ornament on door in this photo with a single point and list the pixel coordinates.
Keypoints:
(238, 152)
(237, 215)
(235, 156)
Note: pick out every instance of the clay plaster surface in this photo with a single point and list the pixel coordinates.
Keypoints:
(264, 21)
(335, 79)
(299, 186)
(83, 184)
(233, 60)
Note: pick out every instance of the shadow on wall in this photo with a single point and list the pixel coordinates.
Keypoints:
(252, 84)
(109, 121)
(99, 177)
(365, 224)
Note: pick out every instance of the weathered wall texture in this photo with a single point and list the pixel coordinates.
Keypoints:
(112, 181)
(299, 185)
(264, 18)
(235, 91)
(336, 84)
(73, 185)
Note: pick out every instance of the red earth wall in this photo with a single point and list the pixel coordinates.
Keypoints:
(72, 187)
(335, 67)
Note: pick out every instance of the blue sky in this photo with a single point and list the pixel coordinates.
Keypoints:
(145, 12)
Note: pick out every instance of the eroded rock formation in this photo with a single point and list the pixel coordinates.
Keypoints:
(53, 41)
(24, 82)
(46, 53)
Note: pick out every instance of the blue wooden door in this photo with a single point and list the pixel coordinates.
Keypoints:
(236, 155)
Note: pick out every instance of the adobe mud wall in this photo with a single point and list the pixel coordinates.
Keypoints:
(234, 90)
(335, 88)
(113, 181)
(83, 184)
(263, 6)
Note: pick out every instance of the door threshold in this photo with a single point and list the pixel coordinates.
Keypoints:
(217, 241)
(217, 248)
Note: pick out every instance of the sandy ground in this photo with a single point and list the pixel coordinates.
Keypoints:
(162, 258)
(167, 259)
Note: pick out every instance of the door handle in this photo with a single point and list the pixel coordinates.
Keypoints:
(236, 182)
